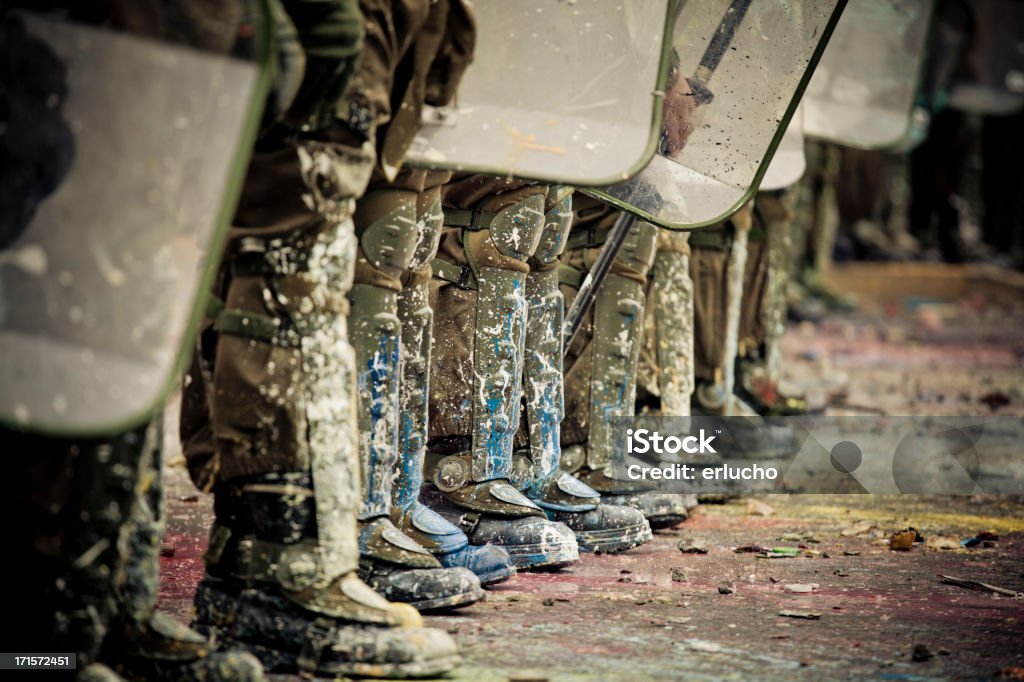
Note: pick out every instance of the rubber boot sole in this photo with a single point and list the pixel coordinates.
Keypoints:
(543, 555)
(495, 577)
(455, 601)
(613, 540)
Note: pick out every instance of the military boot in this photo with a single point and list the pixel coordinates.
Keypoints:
(598, 527)
(391, 562)
(144, 643)
(445, 541)
(605, 371)
(267, 590)
(485, 266)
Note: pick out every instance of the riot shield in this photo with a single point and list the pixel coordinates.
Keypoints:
(788, 163)
(566, 92)
(992, 82)
(863, 91)
(123, 157)
(745, 65)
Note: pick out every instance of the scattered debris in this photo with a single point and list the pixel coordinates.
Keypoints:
(841, 573)
(188, 498)
(704, 646)
(678, 576)
(757, 508)
(752, 549)
(167, 550)
(725, 588)
(938, 542)
(692, 546)
(994, 400)
(801, 588)
(851, 553)
(985, 587)
(921, 653)
(799, 537)
(780, 553)
(903, 541)
(806, 615)
(985, 539)
(858, 529)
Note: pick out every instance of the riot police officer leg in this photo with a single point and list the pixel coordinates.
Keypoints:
(601, 381)
(282, 565)
(598, 527)
(392, 562)
(441, 538)
(475, 397)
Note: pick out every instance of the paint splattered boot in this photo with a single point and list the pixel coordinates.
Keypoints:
(268, 590)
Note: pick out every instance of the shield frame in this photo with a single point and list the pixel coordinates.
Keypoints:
(414, 160)
(141, 413)
(905, 139)
(826, 35)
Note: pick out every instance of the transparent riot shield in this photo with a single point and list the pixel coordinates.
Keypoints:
(992, 82)
(743, 65)
(862, 93)
(122, 161)
(558, 90)
(788, 163)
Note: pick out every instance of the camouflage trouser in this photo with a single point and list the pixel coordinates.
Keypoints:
(815, 217)
(87, 537)
(665, 373)
(241, 415)
(242, 408)
(709, 264)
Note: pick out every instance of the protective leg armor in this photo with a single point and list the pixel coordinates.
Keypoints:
(393, 563)
(563, 497)
(673, 315)
(441, 538)
(615, 347)
(472, 485)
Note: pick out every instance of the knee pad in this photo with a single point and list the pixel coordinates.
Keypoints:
(388, 233)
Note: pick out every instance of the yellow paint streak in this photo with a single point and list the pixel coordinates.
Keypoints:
(918, 517)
